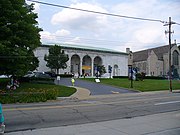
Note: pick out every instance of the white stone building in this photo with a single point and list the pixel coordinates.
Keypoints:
(84, 59)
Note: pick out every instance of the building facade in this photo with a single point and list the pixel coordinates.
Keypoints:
(155, 61)
(83, 60)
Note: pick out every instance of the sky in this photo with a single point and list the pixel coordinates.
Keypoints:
(62, 25)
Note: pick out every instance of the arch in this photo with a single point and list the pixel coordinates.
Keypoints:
(86, 65)
(97, 62)
(75, 64)
(175, 64)
(175, 58)
(116, 70)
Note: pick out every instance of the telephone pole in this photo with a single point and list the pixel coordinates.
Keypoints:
(170, 46)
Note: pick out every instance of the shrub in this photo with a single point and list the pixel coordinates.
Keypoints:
(29, 97)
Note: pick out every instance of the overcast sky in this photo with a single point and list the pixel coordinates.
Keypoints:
(62, 25)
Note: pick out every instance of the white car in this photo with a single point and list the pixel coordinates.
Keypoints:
(3, 76)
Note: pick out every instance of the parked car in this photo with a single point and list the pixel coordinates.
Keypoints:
(2, 126)
(3, 76)
(52, 74)
(41, 75)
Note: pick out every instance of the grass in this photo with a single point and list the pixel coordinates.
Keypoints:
(146, 85)
(63, 91)
(33, 92)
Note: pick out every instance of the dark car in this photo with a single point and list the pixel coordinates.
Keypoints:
(41, 75)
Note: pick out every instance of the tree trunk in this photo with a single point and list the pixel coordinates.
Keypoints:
(57, 70)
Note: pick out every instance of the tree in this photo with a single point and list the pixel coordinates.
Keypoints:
(19, 36)
(56, 59)
(101, 69)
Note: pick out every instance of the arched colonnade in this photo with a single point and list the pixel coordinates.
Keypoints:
(84, 65)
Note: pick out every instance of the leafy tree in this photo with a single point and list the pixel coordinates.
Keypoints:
(100, 70)
(19, 36)
(56, 59)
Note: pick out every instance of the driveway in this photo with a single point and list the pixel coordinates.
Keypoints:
(93, 87)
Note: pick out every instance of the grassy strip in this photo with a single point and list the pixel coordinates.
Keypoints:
(146, 85)
(35, 92)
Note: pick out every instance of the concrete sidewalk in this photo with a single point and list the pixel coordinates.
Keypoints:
(81, 93)
(157, 124)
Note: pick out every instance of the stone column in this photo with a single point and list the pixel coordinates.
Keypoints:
(69, 64)
(80, 68)
(92, 66)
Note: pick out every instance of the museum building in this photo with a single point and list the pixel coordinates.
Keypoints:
(83, 60)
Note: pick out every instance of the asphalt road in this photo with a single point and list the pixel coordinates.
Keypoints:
(20, 117)
(94, 88)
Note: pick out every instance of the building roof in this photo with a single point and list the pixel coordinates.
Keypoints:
(86, 48)
(143, 55)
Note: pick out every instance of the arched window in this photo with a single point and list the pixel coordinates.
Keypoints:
(86, 65)
(116, 70)
(97, 62)
(175, 58)
(75, 64)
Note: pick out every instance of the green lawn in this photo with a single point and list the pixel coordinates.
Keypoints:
(146, 85)
(33, 92)
(63, 91)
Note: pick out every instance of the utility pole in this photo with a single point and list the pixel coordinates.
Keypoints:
(170, 46)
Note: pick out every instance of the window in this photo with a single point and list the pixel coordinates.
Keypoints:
(175, 58)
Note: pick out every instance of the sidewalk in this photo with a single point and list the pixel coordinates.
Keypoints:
(81, 93)
(157, 124)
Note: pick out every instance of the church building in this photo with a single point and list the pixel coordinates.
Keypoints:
(155, 61)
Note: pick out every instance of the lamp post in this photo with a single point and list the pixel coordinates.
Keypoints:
(130, 63)
(131, 70)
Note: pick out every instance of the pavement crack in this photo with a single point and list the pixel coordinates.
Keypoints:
(41, 118)
(77, 111)
(21, 111)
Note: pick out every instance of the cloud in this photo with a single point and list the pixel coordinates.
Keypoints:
(47, 36)
(144, 34)
(58, 36)
(62, 32)
(74, 19)
(123, 32)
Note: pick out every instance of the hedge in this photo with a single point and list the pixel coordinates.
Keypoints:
(28, 97)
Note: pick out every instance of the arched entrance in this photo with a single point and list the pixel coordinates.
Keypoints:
(97, 62)
(116, 70)
(75, 64)
(175, 63)
(86, 65)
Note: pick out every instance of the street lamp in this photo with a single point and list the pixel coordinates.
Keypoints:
(130, 63)
(131, 75)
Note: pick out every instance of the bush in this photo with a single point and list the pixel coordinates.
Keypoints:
(28, 97)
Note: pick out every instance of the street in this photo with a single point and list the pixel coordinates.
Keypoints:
(19, 117)
(94, 88)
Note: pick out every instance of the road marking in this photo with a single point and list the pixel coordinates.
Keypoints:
(164, 103)
(85, 105)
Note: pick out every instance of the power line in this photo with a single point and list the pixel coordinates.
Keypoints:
(96, 12)
(177, 23)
